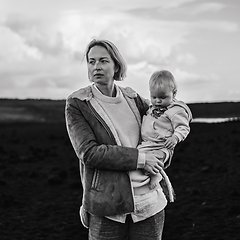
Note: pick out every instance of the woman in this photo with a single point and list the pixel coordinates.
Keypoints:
(103, 122)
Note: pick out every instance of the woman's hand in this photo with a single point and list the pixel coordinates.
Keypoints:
(154, 162)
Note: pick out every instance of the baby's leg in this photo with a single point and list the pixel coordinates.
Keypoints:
(154, 181)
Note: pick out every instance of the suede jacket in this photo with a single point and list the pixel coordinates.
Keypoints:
(104, 164)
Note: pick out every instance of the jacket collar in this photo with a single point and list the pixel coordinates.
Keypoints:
(86, 93)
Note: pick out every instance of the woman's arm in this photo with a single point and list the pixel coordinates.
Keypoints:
(92, 143)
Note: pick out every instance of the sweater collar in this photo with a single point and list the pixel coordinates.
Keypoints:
(96, 93)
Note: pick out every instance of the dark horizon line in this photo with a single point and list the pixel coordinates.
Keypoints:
(49, 99)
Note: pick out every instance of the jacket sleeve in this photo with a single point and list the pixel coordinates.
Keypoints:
(95, 153)
(180, 122)
(143, 105)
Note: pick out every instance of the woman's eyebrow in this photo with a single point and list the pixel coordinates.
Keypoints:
(99, 58)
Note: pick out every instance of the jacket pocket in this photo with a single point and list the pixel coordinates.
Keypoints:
(95, 180)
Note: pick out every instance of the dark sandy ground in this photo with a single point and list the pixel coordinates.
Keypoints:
(40, 190)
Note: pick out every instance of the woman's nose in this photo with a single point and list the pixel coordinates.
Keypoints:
(97, 66)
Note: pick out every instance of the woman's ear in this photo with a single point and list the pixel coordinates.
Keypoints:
(174, 93)
(116, 68)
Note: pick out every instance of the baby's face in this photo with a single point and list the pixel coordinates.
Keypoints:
(160, 98)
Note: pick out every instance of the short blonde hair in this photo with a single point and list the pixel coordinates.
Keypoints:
(163, 79)
(119, 62)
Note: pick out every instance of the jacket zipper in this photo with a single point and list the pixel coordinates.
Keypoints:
(95, 178)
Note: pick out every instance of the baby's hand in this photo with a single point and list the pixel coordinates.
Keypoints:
(171, 142)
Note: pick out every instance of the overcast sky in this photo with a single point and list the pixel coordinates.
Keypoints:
(42, 45)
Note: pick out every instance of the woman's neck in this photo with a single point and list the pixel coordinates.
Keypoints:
(107, 90)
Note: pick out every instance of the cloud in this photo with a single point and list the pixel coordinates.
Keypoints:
(37, 34)
(51, 7)
(43, 84)
(140, 40)
(70, 33)
(185, 76)
(219, 25)
(151, 4)
(13, 47)
(5, 83)
(34, 58)
(232, 94)
(42, 46)
(146, 46)
(135, 36)
(207, 7)
(186, 58)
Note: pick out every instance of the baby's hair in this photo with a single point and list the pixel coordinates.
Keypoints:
(163, 79)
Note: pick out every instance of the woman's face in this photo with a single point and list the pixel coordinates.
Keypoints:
(101, 67)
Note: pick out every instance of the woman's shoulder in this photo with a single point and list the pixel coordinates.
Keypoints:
(82, 94)
(129, 92)
(141, 103)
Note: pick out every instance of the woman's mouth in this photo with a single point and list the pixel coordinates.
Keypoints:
(98, 75)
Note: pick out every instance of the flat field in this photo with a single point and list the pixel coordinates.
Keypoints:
(40, 188)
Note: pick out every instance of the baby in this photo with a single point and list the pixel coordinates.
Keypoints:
(167, 120)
